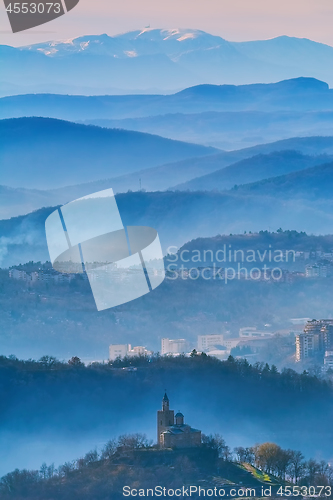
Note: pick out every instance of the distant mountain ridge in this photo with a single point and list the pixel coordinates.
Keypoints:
(226, 129)
(214, 172)
(300, 94)
(258, 167)
(314, 183)
(46, 153)
(180, 217)
(166, 59)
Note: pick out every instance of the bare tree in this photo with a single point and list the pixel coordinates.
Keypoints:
(297, 465)
(109, 449)
(133, 441)
(43, 470)
(240, 453)
(216, 442)
(283, 460)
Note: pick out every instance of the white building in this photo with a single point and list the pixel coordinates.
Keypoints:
(118, 351)
(251, 332)
(15, 274)
(328, 360)
(206, 342)
(174, 346)
(231, 343)
(123, 350)
(138, 350)
(316, 271)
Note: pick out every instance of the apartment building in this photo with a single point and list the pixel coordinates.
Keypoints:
(174, 346)
(315, 340)
(207, 342)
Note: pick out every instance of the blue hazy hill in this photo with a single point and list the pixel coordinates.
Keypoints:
(300, 94)
(258, 167)
(215, 172)
(48, 153)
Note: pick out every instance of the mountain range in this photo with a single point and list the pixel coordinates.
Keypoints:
(299, 200)
(314, 184)
(46, 153)
(255, 168)
(113, 158)
(229, 130)
(297, 95)
(164, 59)
(225, 116)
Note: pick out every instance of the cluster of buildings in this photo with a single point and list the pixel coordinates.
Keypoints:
(50, 275)
(319, 270)
(41, 276)
(213, 344)
(126, 350)
(316, 342)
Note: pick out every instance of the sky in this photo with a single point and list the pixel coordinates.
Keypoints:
(235, 20)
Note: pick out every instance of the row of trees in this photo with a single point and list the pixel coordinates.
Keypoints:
(287, 465)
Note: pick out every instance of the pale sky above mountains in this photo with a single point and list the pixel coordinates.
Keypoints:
(234, 20)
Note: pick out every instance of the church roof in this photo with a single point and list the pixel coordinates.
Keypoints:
(165, 397)
(179, 414)
(180, 429)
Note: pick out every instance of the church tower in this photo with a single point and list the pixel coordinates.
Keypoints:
(165, 418)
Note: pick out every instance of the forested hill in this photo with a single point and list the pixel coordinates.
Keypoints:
(231, 397)
(299, 241)
(249, 398)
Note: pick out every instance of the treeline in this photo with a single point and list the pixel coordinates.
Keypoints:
(279, 239)
(117, 465)
(303, 382)
(287, 465)
(55, 397)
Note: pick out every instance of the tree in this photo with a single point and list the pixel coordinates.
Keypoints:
(240, 453)
(50, 471)
(226, 454)
(283, 460)
(75, 361)
(43, 470)
(48, 361)
(91, 457)
(133, 441)
(66, 469)
(296, 465)
(267, 456)
(109, 449)
(216, 442)
(312, 469)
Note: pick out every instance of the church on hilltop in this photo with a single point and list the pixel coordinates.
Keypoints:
(172, 432)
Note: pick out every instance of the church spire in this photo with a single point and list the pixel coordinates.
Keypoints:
(165, 402)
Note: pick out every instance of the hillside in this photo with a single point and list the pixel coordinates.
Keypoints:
(300, 94)
(229, 130)
(161, 59)
(182, 216)
(315, 150)
(100, 402)
(314, 183)
(47, 317)
(283, 240)
(257, 167)
(102, 478)
(48, 153)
